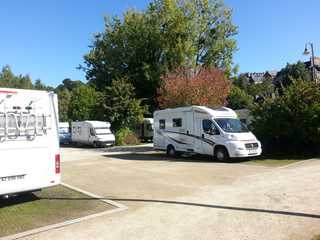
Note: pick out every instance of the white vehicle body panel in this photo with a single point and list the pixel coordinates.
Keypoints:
(29, 141)
(183, 129)
(92, 132)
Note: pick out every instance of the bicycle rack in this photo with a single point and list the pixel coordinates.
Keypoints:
(18, 124)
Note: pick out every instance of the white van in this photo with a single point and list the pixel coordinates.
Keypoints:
(95, 133)
(144, 130)
(197, 129)
(29, 141)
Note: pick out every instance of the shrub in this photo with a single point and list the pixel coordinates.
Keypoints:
(292, 121)
(126, 137)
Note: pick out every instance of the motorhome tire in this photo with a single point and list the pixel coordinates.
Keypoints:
(221, 154)
(171, 151)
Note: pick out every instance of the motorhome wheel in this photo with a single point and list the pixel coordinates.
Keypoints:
(171, 151)
(221, 154)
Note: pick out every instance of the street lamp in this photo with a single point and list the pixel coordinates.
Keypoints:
(306, 52)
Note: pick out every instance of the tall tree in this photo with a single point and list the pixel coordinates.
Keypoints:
(8, 79)
(82, 102)
(120, 107)
(289, 73)
(64, 98)
(206, 86)
(169, 34)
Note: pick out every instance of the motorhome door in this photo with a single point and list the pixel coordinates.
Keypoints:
(204, 127)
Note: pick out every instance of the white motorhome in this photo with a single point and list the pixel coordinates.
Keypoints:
(29, 141)
(95, 133)
(198, 129)
(144, 130)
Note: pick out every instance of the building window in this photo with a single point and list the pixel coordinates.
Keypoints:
(162, 124)
(177, 122)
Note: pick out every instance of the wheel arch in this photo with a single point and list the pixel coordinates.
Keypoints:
(219, 146)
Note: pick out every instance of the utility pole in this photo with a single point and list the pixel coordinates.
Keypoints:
(313, 67)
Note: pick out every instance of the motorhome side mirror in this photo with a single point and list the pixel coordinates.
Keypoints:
(216, 131)
(213, 131)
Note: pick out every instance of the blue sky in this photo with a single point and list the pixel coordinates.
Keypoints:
(47, 39)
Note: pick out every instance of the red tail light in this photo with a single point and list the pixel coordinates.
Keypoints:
(57, 163)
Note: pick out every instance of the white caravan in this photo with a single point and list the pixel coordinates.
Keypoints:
(197, 129)
(29, 141)
(95, 133)
(144, 130)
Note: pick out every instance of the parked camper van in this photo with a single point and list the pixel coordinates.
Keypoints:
(144, 130)
(197, 129)
(29, 142)
(64, 133)
(95, 133)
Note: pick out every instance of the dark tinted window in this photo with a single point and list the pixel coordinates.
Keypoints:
(162, 124)
(207, 125)
(177, 122)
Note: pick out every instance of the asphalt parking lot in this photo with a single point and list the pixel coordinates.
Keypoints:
(190, 198)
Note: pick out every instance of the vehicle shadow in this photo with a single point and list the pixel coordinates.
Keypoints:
(214, 206)
(19, 199)
(160, 156)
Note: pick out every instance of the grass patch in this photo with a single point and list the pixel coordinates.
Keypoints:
(316, 237)
(50, 206)
(277, 160)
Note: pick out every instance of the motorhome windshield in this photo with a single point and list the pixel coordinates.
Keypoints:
(231, 125)
(102, 131)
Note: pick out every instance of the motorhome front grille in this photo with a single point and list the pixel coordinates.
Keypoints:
(251, 145)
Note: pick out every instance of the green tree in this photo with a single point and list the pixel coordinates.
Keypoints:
(290, 121)
(8, 79)
(239, 99)
(82, 103)
(120, 107)
(69, 84)
(64, 98)
(264, 89)
(169, 34)
(242, 81)
(291, 72)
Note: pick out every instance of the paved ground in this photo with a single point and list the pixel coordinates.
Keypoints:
(192, 199)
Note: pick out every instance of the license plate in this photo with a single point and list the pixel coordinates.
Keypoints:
(253, 151)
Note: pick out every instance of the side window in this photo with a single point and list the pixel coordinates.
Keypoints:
(79, 130)
(162, 124)
(206, 125)
(209, 128)
(74, 130)
(92, 132)
(177, 122)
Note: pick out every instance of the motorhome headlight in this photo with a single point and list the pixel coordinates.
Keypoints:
(232, 137)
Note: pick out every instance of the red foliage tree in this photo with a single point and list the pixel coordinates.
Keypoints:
(185, 87)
